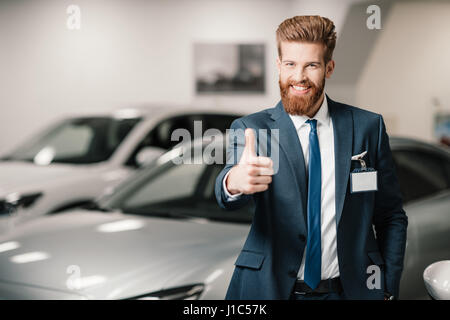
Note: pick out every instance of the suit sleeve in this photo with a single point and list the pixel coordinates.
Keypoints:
(390, 219)
(236, 143)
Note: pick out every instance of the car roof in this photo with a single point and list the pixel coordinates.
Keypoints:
(160, 110)
(396, 143)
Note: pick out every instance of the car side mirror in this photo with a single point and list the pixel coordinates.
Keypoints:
(437, 280)
(148, 154)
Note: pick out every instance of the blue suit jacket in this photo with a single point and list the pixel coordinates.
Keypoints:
(268, 264)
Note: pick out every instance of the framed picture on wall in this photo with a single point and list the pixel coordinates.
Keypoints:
(229, 68)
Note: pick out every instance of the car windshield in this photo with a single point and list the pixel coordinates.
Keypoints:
(174, 191)
(80, 140)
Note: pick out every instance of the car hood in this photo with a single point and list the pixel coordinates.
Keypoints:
(18, 176)
(112, 250)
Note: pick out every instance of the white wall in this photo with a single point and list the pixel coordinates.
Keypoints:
(127, 52)
(409, 67)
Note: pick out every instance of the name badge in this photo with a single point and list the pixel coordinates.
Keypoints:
(363, 179)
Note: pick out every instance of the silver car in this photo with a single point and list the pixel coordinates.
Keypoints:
(161, 235)
(77, 158)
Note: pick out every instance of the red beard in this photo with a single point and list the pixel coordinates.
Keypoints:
(296, 105)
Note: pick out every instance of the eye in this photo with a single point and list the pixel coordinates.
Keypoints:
(313, 65)
(289, 64)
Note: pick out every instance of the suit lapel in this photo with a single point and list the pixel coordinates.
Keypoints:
(290, 145)
(343, 141)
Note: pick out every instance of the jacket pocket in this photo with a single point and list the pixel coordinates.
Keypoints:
(250, 259)
(376, 257)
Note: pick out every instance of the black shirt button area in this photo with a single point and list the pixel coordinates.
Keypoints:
(292, 273)
(302, 237)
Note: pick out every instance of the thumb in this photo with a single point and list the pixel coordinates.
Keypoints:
(249, 149)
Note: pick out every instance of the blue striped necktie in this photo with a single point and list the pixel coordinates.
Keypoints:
(313, 259)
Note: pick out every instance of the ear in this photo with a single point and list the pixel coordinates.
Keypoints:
(329, 68)
(278, 65)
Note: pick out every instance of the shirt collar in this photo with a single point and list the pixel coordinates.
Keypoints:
(322, 115)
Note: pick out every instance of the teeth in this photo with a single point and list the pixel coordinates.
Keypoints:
(300, 88)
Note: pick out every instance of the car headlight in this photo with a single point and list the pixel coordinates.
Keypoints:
(14, 201)
(189, 292)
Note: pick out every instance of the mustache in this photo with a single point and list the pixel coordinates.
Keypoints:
(300, 105)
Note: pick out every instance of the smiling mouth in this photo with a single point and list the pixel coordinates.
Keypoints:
(300, 89)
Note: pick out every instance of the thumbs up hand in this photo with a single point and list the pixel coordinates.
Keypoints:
(252, 174)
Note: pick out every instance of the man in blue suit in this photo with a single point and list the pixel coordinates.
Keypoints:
(328, 222)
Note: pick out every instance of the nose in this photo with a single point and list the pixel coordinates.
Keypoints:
(299, 75)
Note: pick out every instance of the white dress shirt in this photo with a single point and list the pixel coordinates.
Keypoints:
(330, 266)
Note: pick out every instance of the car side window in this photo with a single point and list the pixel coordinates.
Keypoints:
(178, 184)
(421, 173)
(221, 122)
(207, 201)
(160, 135)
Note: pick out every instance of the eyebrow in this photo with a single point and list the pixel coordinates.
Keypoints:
(309, 62)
